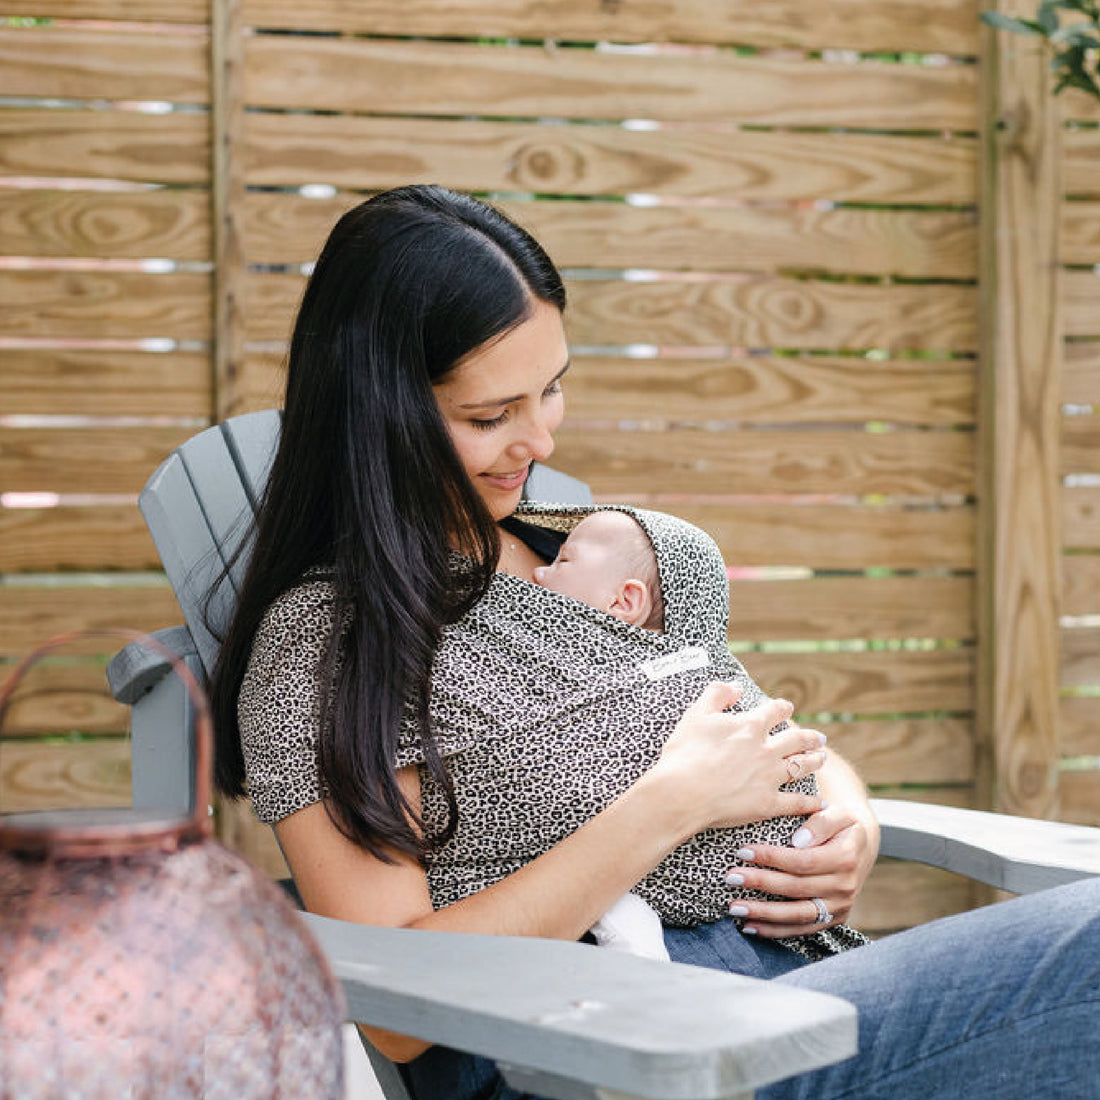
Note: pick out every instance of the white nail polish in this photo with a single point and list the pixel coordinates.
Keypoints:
(738, 911)
(735, 878)
(748, 930)
(802, 839)
(745, 855)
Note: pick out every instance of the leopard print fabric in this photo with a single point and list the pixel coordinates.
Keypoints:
(545, 710)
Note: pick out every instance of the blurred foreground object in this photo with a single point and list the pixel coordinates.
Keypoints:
(141, 959)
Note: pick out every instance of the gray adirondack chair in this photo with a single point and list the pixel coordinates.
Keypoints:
(564, 1020)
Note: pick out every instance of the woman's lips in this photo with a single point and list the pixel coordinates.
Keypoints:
(510, 481)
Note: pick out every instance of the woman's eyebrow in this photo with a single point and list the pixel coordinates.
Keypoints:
(499, 403)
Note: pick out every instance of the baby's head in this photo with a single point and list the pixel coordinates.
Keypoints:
(608, 563)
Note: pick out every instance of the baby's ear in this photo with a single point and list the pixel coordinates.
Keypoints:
(632, 602)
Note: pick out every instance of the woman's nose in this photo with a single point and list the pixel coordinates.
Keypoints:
(536, 441)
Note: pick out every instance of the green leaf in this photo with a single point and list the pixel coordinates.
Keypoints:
(1048, 16)
(1007, 23)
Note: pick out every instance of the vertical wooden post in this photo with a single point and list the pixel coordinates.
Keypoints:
(227, 197)
(1019, 552)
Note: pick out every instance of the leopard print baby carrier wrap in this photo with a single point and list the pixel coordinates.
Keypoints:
(547, 709)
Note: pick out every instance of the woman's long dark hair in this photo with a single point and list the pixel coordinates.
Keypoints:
(366, 483)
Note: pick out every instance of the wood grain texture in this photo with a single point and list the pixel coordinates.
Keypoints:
(238, 828)
(30, 615)
(901, 895)
(84, 460)
(61, 698)
(904, 751)
(99, 382)
(163, 224)
(1081, 162)
(1081, 372)
(624, 463)
(1080, 797)
(363, 153)
(118, 145)
(1080, 654)
(433, 78)
(1081, 303)
(1080, 235)
(1079, 725)
(1080, 450)
(83, 539)
(938, 26)
(834, 536)
(853, 607)
(764, 389)
(288, 228)
(1019, 553)
(745, 313)
(104, 305)
(1081, 518)
(79, 775)
(153, 11)
(868, 682)
(1081, 584)
(84, 63)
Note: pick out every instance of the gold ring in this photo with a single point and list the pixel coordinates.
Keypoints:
(794, 767)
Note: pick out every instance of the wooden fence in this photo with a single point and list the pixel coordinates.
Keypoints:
(788, 325)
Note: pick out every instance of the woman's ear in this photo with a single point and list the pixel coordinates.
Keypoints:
(632, 602)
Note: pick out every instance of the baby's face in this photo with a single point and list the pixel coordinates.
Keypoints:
(589, 566)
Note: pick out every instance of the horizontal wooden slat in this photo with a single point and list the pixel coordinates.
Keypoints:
(1079, 725)
(753, 312)
(84, 460)
(1081, 584)
(765, 389)
(1079, 797)
(373, 153)
(1081, 518)
(896, 751)
(1080, 657)
(853, 607)
(85, 539)
(118, 145)
(869, 681)
(291, 229)
(97, 382)
(834, 536)
(155, 11)
(1081, 162)
(63, 698)
(1081, 303)
(1081, 444)
(65, 776)
(133, 225)
(1081, 232)
(433, 78)
(104, 305)
(31, 615)
(901, 895)
(937, 26)
(699, 462)
(1081, 372)
(67, 63)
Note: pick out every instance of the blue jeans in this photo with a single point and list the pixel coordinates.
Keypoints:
(1002, 1002)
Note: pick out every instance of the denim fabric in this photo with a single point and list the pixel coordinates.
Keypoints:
(1002, 1002)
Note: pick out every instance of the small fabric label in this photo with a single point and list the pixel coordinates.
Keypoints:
(683, 660)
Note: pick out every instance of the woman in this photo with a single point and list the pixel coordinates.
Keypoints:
(425, 377)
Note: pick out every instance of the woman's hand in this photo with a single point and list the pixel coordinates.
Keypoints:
(726, 768)
(830, 858)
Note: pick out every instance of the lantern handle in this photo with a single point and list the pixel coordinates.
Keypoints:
(197, 825)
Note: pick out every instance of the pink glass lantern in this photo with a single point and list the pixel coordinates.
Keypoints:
(141, 960)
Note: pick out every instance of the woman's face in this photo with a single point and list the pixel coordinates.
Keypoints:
(502, 404)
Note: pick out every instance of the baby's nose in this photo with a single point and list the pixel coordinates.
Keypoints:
(539, 573)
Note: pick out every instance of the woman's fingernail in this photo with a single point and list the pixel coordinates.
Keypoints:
(745, 855)
(824, 804)
(802, 839)
(735, 878)
(822, 739)
(748, 930)
(738, 911)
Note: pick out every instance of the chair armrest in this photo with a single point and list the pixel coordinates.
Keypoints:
(1017, 854)
(566, 1018)
(134, 670)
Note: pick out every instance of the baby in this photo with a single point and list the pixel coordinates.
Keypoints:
(608, 562)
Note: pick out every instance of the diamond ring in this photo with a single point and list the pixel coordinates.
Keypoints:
(794, 767)
(823, 914)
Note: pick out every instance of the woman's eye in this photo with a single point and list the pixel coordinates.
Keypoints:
(489, 425)
(553, 388)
